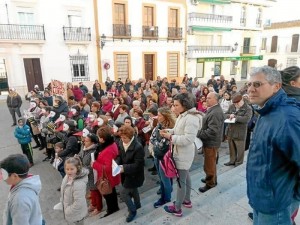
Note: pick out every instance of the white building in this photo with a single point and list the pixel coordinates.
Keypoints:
(142, 38)
(280, 44)
(224, 37)
(44, 40)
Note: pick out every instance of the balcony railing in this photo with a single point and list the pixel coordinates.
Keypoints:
(243, 22)
(258, 22)
(215, 49)
(121, 31)
(22, 32)
(150, 32)
(77, 34)
(210, 17)
(175, 33)
(248, 49)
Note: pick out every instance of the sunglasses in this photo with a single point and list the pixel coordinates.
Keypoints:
(255, 84)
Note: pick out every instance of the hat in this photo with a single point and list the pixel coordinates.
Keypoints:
(237, 98)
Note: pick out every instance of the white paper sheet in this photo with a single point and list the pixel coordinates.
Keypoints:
(230, 120)
(116, 169)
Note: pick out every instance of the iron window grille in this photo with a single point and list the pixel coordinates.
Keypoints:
(79, 67)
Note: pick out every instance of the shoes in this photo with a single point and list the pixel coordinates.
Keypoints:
(41, 148)
(37, 146)
(187, 204)
(46, 159)
(203, 180)
(204, 189)
(14, 124)
(172, 210)
(58, 189)
(250, 215)
(154, 172)
(130, 216)
(94, 213)
(229, 164)
(138, 206)
(152, 169)
(158, 192)
(159, 203)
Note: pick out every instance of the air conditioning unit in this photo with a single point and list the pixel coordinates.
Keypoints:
(194, 2)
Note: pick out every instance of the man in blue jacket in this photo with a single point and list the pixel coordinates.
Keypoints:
(273, 183)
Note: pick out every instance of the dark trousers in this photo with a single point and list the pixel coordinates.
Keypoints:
(27, 150)
(112, 201)
(127, 194)
(236, 151)
(61, 169)
(210, 168)
(13, 112)
(37, 138)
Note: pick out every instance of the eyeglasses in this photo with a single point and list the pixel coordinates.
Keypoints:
(255, 84)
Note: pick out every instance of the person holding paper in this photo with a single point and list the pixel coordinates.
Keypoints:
(241, 112)
(90, 145)
(107, 151)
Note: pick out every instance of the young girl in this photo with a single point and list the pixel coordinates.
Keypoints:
(73, 191)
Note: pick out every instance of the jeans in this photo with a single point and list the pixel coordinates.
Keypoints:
(165, 183)
(127, 194)
(280, 218)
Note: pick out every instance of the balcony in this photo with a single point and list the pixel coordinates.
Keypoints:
(77, 34)
(258, 23)
(150, 32)
(243, 22)
(198, 51)
(121, 31)
(209, 22)
(17, 32)
(215, 1)
(248, 50)
(175, 33)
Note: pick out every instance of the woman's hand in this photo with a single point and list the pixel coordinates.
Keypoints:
(164, 133)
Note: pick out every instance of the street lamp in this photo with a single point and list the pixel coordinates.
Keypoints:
(235, 47)
(102, 43)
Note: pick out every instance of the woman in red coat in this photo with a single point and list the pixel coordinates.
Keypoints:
(104, 155)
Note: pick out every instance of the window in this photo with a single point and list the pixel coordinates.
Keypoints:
(243, 16)
(173, 64)
(295, 41)
(74, 21)
(233, 67)
(258, 18)
(217, 69)
(79, 68)
(291, 62)
(274, 44)
(263, 44)
(200, 70)
(122, 66)
(26, 16)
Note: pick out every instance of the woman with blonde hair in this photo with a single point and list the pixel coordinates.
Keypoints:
(166, 120)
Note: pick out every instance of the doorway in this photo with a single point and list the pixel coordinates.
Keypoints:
(33, 73)
(149, 66)
(244, 70)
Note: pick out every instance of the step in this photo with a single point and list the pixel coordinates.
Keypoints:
(208, 207)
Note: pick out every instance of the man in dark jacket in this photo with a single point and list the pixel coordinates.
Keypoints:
(239, 112)
(211, 136)
(14, 103)
(273, 165)
(60, 106)
(131, 160)
(84, 88)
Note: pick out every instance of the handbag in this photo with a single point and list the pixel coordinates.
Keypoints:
(168, 164)
(103, 184)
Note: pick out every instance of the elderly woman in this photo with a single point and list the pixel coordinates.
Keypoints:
(182, 136)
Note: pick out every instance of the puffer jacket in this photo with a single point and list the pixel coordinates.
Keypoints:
(23, 134)
(273, 164)
(73, 197)
(183, 137)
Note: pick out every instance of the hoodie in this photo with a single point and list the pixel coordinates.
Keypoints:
(23, 206)
(23, 133)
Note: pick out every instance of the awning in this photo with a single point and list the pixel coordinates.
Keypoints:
(215, 1)
(234, 58)
(210, 29)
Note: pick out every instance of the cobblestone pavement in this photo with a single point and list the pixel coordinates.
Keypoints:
(50, 177)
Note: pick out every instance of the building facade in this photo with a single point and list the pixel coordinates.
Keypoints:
(45, 40)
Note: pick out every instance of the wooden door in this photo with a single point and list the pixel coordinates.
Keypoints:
(149, 66)
(33, 73)
(119, 14)
(173, 18)
(148, 16)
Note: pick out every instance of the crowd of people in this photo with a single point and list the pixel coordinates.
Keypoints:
(84, 134)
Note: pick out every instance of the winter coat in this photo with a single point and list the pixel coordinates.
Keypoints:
(62, 108)
(23, 134)
(183, 138)
(97, 94)
(13, 101)
(23, 206)
(72, 146)
(85, 156)
(212, 128)
(225, 104)
(107, 107)
(133, 164)
(78, 94)
(292, 92)
(160, 145)
(73, 197)
(104, 161)
(273, 164)
(238, 130)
